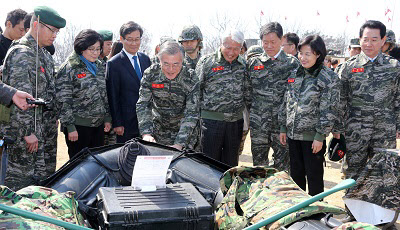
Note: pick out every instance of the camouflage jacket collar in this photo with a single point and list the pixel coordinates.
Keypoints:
(220, 58)
(75, 61)
(26, 40)
(364, 59)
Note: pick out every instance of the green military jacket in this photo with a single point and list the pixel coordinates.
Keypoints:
(19, 71)
(168, 109)
(268, 84)
(224, 87)
(309, 110)
(370, 92)
(82, 96)
(191, 63)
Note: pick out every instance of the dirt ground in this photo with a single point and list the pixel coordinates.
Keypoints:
(332, 174)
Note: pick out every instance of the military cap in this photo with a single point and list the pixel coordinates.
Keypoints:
(390, 36)
(164, 39)
(49, 16)
(190, 33)
(337, 148)
(254, 50)
(106, 35)
(354, 43)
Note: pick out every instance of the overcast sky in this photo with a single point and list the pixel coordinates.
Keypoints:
(168, 17)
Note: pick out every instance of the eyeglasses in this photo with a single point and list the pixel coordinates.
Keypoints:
(131, 40)
(94, 50)
(56, 32)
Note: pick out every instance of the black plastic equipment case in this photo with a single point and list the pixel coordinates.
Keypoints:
(178, 206)
(315, 222)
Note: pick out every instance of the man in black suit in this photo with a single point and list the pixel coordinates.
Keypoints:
(124, 72)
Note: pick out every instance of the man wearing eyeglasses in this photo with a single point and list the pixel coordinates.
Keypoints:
(224, 93)
(124, 73)
(29, 69)
(167, 109)
(269, 75)
(289, 43)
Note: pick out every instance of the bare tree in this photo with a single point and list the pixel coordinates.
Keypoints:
(145, 44)
(218, 25)
(64, 44)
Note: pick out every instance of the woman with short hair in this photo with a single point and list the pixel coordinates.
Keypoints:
(308, 114)
(81, 93)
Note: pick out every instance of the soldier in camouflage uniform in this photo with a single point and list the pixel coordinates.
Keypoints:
(390, 42)
(81, 92)
(370, 97)
(167, 109)
(224, 93)
(308, 114)
(27, 161)
(191, 39)
(107, 36)
(269, 73)
(163, 39)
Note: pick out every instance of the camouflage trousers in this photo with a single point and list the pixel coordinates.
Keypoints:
(24, 168)
(361, 139)
(50, 144)
(110, 138)
(261, 142)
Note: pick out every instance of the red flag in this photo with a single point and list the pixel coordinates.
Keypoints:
(358, 13)
(318, 13)
(389, 19)
(387, 11)
(261, 13)
(347, 18)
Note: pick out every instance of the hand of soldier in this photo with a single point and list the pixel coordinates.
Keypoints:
(107, 127)
(397, 135)
(73, 136)
(336, 135)
(282, 138)
(31, 143)
(148, 137)
(316, 146)
(119, 130)
(19, 100)
(177, 146)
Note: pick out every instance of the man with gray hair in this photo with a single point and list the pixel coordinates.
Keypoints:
(224, 93)
(167, 109)
(269, 74)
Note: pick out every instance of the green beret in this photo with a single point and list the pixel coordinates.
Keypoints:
(106, 35)
(49, 16)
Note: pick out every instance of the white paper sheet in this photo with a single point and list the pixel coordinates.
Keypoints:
(369, 213)
(150, 172)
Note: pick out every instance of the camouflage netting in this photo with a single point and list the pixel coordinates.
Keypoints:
(40, 200)
(256, 193)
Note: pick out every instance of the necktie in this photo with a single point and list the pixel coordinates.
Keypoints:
(137, 68)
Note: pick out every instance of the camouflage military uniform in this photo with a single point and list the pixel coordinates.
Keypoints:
(269, 81)
(370, 97)
(191, 63)
(168, 109)
(19, 71)
(308, 113)
(224, 92)
(261, 192)
(379, 181)
(82, 96)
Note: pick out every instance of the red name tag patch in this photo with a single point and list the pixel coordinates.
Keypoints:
(290, 80)
(81, 75)
(258, 67)
(218, 68)
(357, 70)
(42, 69)
(157, 86)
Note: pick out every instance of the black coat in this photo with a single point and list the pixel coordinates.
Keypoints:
(123, 92)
